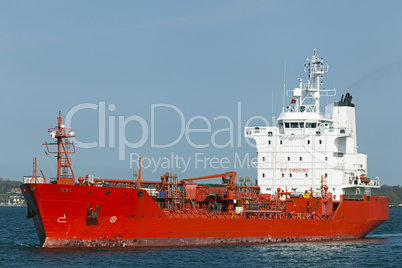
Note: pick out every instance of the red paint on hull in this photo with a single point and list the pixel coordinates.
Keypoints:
(127, 219)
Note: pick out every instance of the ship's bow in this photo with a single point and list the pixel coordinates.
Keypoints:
(28, 190)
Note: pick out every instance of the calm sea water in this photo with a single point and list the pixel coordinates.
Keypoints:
(19, 246)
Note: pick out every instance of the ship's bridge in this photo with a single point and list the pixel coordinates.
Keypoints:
(301, 122)
(306, 145)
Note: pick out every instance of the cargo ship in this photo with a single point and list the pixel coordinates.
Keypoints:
(299, 196)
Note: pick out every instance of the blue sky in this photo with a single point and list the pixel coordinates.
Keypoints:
(203, 57)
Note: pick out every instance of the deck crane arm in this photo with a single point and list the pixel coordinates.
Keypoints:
(230, 185)
(230, 181)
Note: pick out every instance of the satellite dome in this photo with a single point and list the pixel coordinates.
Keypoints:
(297, 92)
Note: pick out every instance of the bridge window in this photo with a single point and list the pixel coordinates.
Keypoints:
(311, 125)
(294, 125)
(286, 125)
(301, 125)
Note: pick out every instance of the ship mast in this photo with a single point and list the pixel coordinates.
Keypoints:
(308, 94)
(65, 173)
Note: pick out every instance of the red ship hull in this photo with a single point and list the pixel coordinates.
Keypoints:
(126, 218)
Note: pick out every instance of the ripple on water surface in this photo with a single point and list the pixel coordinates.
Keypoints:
(19, 246)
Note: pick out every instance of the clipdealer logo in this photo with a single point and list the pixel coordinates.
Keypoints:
(116, 132)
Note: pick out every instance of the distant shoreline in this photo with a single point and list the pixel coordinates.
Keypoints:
(12, 206)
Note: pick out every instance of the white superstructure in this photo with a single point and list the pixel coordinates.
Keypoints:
(307, 145)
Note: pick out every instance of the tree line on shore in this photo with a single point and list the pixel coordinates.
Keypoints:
(394, 193)
(7, 185)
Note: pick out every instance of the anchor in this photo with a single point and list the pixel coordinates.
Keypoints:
(91, 213)
(30, 213)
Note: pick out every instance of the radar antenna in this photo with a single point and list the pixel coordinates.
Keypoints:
(308, 94)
